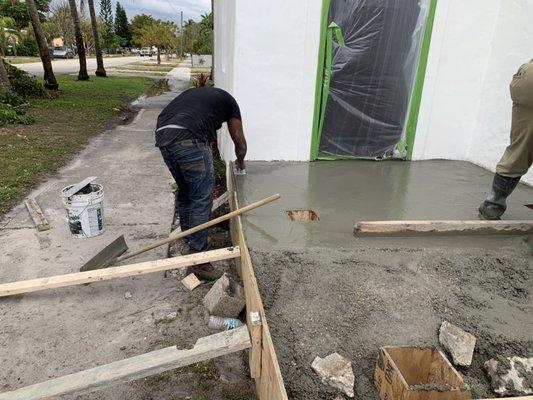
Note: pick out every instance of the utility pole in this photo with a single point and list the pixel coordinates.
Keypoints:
(181, 35)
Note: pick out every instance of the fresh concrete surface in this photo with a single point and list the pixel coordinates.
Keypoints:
(64, 67)
(326, 291)
(344, 192)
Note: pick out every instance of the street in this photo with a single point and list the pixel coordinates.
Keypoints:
(63, 67)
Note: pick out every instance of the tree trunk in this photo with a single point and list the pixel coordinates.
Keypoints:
(44, 52)
(167, 53)
(158, 56)
(100, 70)
(5, 85)
(82, 74)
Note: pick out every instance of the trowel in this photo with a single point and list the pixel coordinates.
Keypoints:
(114, 252)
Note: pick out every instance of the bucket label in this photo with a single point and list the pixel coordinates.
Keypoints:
(74, 224)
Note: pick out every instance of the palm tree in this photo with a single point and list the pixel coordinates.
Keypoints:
(100, 70)
(49, 77)
(5, 85)
(82, 74)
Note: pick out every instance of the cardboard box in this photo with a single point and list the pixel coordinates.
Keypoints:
(417, 373)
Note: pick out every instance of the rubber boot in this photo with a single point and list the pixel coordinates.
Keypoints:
(495, 204)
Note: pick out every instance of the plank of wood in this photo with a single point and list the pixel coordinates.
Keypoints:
(148, 267)
(512, 398)
(263, 360)
(443, 227)
(37, 215)
(137, 367)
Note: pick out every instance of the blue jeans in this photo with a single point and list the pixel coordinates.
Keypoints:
(191, 165)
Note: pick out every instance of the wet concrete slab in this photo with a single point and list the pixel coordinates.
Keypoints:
(343, 192)
(325, 290)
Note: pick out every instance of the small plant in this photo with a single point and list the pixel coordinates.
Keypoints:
(201, 80)
(23, 84)
(12, 115)
(11, 98)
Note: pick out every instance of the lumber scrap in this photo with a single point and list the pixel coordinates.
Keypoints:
(148, 267)
(136, 367)
(443, 227)
(264, 365)
(37, 215)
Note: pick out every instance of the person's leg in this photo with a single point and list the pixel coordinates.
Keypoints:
(196, 166)
(514, 163)
(171, 155)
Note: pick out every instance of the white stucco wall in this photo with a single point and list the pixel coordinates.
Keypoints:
(477, 46)
(272, 74)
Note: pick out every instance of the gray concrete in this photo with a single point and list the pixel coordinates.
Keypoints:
(326, 291)
(64, 67)
(344, 192)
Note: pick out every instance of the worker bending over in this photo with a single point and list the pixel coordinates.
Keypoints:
(185, 130)
(519, 154)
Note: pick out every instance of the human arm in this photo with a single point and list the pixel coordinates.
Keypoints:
(237, 135)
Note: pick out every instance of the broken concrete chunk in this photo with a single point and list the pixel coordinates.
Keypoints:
(458, 343)
(190, 281)
(127, 295)
(511, 376)
(225, 298)
(336, 371)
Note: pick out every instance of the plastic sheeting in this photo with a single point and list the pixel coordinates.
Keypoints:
(372, 75)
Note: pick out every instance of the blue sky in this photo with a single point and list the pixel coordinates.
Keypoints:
(162, 9)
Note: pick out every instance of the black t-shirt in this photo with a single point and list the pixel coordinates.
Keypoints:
(201, 110)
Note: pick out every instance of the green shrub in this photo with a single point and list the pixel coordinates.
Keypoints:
(11, 98)
(28, 47)
(12, 115)
(23, 84)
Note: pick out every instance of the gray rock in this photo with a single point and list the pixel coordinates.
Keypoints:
(511, 376)
(127, 295)
(225, 298)
(336, 371)
(458, 343)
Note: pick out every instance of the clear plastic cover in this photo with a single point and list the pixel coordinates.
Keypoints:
(372, 75)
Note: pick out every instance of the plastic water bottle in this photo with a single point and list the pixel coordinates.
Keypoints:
(222, 323)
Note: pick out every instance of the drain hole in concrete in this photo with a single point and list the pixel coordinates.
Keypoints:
(302, 215)
(529, 206)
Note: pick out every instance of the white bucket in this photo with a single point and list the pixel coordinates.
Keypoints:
(85, 212)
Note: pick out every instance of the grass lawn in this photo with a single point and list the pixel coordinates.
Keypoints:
(21, 60)
(63, 126)
(146, 67)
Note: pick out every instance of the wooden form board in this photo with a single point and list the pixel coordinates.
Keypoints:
(264, 366)
(78, 278)
(37, 215)
(442, 227)
(136, 367)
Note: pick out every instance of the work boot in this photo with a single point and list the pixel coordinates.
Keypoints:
(495, 204)
(205, 271)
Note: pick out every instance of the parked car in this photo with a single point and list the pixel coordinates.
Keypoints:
(135, 50)
(63, 52)
(146, 51)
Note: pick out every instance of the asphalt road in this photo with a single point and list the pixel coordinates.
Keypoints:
(64, 67)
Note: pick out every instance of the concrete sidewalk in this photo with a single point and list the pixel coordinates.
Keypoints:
(56, 332)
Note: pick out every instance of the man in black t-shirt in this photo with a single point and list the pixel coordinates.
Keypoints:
(185, 130)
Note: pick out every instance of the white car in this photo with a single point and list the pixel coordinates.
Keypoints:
(63, 52)
(146, 51)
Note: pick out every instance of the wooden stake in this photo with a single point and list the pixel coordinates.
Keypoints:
(137, 367)
(78, 278)
(37, 215)
(179, 235)
(444, 226)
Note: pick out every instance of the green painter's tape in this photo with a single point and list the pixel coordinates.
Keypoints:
(416, 98)
(319, 86)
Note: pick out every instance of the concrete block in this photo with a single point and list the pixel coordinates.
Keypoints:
(511, 376)
(191, 281)
(458, 343)
(336, 371)
(225, 298)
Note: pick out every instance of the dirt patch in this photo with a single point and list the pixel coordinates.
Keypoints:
(322, 300)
